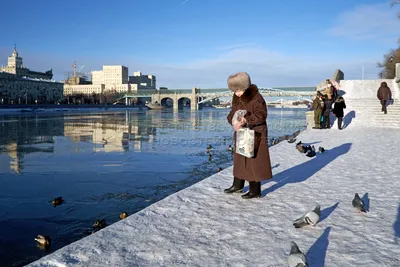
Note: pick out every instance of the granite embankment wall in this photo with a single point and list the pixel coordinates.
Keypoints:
(65, 106)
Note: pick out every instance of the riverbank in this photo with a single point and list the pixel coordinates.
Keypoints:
(202, 226)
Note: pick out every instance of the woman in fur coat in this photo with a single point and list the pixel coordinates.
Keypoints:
(257, 168)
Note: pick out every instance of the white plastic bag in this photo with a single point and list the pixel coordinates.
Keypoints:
(238, 116)
(245, 142)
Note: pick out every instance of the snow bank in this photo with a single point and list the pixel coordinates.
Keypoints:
(202, 226)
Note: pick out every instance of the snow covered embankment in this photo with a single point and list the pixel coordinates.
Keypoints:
(202, 226)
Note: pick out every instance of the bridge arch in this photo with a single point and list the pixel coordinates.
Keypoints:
(167, 102)
(184, 101)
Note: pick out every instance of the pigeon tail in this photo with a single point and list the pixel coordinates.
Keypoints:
(300, 222)
(294, 248)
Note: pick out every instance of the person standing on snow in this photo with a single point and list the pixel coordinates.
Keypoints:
(338, 110)
(257, 168)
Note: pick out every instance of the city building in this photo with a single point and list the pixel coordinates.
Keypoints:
(19, 85)
(115, 75)
(143, 81)
(16, 66)
(113, 79)
(78, 84)
(97, 77)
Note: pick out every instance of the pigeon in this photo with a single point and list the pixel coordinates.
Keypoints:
(296, 133)
(57, 201)
(321, 149)
(99, 224)
(296, 257)
(311, 218)
(311, 152)
(358, 203)
(300, 147)
(291, 140)
(283, 138)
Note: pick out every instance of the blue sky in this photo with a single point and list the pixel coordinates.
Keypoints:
(188, 43)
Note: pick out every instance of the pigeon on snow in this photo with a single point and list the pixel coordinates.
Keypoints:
(311, 153)
(311, 218)
(358, 203)
(296, 257)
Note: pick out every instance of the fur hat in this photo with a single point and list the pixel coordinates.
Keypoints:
(239, 81)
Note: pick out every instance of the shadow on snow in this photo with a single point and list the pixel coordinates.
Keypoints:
(303, 171)
(317, 252)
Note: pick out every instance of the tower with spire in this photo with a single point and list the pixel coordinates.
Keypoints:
(14, 61)
(15, 66)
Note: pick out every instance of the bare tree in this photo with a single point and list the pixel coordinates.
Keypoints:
(388, 66)
(396, 2)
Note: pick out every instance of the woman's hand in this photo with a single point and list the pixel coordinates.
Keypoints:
(240, 124)
(237, 127)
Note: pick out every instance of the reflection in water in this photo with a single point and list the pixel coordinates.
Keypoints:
(101, 164)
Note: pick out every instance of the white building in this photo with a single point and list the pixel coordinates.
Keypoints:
(111, 76)
(97, 77)
(87, 89)
(115, 75)
(115, 79)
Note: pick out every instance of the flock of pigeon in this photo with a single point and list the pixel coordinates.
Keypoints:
(311, 218)
(296, 257)
(44, 242)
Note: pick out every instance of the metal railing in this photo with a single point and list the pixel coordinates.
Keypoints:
(210, 96)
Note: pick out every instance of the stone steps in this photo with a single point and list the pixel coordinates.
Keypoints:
(368, 113)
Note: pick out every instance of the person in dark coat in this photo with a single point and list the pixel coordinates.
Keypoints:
(338, 110)
(384, 94)
(258, 168)
(326, 124)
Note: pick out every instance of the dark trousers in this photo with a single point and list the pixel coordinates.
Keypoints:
(339, 123)
(255, 187)
(327, 121)
(383, 103)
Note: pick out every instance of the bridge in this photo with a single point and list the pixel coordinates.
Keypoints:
(198, 97)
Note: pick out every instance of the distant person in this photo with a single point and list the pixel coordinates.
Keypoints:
(338, 110)
(317, 106)
(335, 89)
(384, 94)
(258, 168)
(328, 89)
(326, 124)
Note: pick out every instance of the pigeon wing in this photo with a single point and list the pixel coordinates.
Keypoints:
(300, 222)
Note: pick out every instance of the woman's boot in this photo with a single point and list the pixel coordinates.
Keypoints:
(236, 187)
(254, 192)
